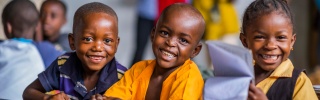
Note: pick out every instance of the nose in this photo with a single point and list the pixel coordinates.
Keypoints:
(271, 44)
(171, 42)
(97, 47)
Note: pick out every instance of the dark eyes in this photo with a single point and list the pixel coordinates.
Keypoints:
(281, 37)
(164, 33)
(53, 15)
(181, 40)
(184, 41)
(90, 39)
(107, 40)
(259, 37)
(87, 39)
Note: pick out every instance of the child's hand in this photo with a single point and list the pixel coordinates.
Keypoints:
(256, 93)
(98, 97)
(59, 96)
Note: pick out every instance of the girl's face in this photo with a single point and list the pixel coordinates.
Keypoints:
(270, 37)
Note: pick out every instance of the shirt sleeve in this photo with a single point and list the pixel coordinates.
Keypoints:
(49, 78)
(122, 88)
(303, 89)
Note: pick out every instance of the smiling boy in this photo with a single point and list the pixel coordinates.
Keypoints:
(172, 75)
(92, 68)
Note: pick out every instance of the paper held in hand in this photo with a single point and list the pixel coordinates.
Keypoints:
(233, 71)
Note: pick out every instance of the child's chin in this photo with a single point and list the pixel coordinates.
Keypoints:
(269, 67)
(95, 68)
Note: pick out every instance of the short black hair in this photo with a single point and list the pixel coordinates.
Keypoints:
(262, 7)
(94, 7)
(192, 11)
(21, 14)
(64, 7)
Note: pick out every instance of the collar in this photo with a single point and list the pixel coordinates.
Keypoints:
(73, 68)
(283, 70)
(147, 72)
(23, 40)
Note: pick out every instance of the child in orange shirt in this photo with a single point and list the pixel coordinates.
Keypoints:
(172, 75)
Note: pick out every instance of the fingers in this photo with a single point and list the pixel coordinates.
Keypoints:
(64, 96)
(98, 97)
(60, 96)
(93, 97)
(252, 96)
(256, 93)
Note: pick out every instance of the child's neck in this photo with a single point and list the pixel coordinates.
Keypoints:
(163, 72)
(90, 78)
(158, 76)
(260, 74)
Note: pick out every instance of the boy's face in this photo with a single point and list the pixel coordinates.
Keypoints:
(270, 38)
(96, 40)
(176, 39)
(52, 18)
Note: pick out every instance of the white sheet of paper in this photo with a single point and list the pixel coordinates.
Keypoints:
(233, 71)
(226, 88)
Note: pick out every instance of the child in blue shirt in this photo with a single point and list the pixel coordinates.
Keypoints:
(92, 68)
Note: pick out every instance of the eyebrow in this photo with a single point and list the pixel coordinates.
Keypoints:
(278, 32)
(183, 34)
(169, 29)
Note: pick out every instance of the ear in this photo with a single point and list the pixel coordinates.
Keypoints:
(153, 31)
(71, 41)
(8, 30)
(293, 40)
(117, 44)
(243, 40)
(197, 50)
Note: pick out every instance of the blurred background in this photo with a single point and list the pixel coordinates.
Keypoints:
(305, 13)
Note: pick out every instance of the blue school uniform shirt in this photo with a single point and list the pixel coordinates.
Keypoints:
(20, 63)
(65, 74)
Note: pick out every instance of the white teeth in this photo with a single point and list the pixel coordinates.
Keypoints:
(269, 57)
(168, 54)
(95, 57)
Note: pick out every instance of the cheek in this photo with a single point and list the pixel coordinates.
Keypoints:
(110, 49)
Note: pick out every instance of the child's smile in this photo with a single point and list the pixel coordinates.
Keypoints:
(269, 58)
(96, 41)
(175, 38)
(270, 38)
(167, 55)
(96, 58)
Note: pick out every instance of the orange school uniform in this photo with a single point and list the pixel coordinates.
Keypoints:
(185, 83)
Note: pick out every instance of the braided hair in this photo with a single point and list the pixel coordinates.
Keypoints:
(263, 7)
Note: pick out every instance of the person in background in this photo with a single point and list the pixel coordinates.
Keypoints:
(53, 17)
(20, 61)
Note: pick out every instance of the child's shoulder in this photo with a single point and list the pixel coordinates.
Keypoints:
(190, 68)
(64, 57)
(141, 66)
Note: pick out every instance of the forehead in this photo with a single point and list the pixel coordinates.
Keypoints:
(52, 5)
(271, 23)
(182, 21)
(99, 17)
